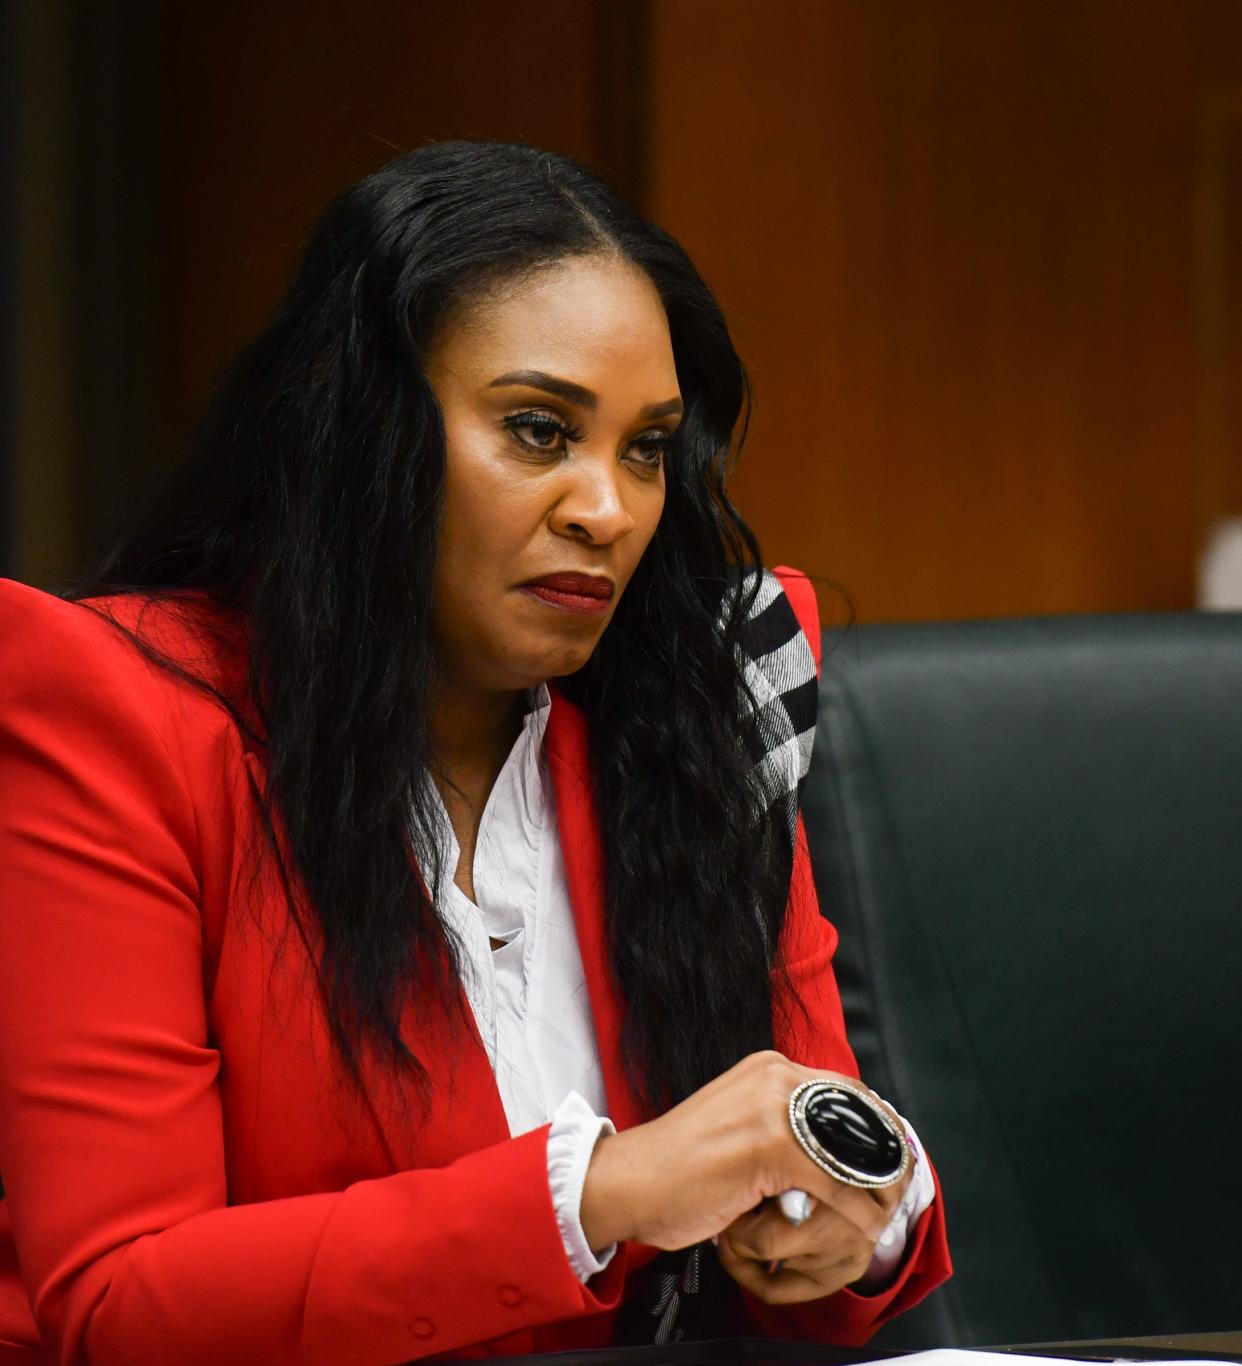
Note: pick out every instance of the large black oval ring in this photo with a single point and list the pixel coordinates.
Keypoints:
(844, 1131)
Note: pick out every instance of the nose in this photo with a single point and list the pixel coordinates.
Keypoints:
(591, 506)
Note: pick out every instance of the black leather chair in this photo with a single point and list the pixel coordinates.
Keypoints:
(1029, 835)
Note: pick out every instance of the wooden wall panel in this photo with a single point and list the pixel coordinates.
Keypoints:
(956, 244)
(276, 106)
(1218, 298)
(957, 240)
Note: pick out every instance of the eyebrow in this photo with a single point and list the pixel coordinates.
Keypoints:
(579, 394)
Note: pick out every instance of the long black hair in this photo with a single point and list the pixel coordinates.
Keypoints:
(311, 508)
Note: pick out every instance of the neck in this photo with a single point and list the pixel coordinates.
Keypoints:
(472, 733)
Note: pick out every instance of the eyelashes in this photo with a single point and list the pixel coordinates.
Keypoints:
(542, 431)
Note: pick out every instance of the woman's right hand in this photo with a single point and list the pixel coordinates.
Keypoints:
(691, 1173)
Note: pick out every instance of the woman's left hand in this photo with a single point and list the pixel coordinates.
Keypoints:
(816, 1258)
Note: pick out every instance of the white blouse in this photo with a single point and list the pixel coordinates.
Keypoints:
(529, 997)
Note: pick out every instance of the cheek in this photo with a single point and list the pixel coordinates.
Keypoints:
(489, 509)
(647, 511)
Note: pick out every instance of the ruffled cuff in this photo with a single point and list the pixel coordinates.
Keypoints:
(891, 1245)
(576, 1129)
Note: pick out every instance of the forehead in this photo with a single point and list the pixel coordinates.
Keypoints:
(596, 320)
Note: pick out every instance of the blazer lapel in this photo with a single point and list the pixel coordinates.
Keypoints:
(566, 743)
(465, 1111)
(470, 1104)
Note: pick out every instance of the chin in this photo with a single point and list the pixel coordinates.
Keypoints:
(564, 661)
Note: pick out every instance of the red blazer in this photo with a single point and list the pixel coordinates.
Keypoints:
(187, 1179)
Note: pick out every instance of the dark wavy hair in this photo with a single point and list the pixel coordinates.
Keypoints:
(311, 507)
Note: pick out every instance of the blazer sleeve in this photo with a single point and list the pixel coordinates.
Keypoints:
(110, 1116)
(811, 1030)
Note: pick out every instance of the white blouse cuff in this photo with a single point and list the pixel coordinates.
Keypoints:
(891, 1245)
(576, 1129)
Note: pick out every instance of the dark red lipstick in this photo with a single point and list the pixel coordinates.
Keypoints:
(588, 594)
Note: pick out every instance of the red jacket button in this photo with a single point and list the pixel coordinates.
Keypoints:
(511, 1296)
(422, 1328)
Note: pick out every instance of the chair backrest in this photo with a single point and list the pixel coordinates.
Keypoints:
(1029, 835)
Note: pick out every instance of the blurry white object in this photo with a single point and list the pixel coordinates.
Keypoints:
(1220, 568)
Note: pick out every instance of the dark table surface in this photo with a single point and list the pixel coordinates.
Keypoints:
(1222, 1346)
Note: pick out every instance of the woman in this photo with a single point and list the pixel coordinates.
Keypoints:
(408, 804)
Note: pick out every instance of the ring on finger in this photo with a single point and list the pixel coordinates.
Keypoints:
(848, 1134)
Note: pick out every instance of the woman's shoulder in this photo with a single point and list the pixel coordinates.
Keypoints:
(780, 671)
(781, 632)
(800, 592)
(107, 650)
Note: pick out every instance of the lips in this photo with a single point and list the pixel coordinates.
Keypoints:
(587, 594)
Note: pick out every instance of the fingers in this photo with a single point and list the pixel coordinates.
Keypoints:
(765, 1235)
(787, 1288)
(817, 1270)
(790, 1286)
(868, 1211)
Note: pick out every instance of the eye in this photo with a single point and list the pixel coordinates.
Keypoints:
(541, 431)
(649, 449)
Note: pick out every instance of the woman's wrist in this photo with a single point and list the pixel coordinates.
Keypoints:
(606, 1212)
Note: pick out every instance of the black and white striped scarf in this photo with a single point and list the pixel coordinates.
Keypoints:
(781, 694)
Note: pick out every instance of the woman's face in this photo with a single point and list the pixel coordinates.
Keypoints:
(559, 395)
